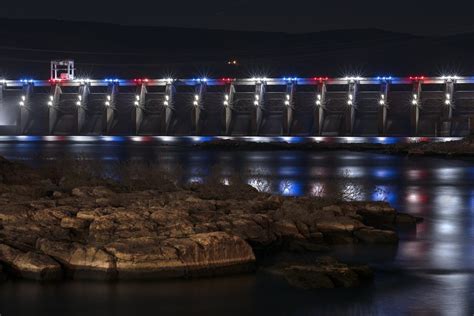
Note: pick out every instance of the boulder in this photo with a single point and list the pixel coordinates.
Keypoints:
(326, 272)
(79, 258)
(198, 255)
(30, 265)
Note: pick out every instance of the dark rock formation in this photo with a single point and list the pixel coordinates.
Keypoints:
(325, 273)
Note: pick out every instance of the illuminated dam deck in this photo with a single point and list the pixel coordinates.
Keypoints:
(416, 106)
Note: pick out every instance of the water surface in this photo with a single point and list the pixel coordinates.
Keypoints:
(431, 272)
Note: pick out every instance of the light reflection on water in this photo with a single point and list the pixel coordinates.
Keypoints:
(436, 261)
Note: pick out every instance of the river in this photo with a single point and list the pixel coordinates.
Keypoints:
(431, 272)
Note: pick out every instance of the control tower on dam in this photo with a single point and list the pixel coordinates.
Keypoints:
(320, 106)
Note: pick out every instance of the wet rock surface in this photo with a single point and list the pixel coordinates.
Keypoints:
(49, 232)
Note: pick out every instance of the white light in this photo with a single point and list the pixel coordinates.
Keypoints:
(136, 103)
(50, 103)
(78, 103)
(23, 98)
(195, 102)
(351, 97)
(166, 103)
(22, 103)
(318, 102)
(357, 78)
(257, 97)
(51, 97)
(415, 96)
(137, 97)
(319, 97)
(447, 102)
(382, 96)
(287, 96)
(381, 102)
(259, 79)
(448, 96)
(255, 103)
(169, 80)
(196, 97)
(287, 102)
(109, 97)
(450, 77)
(107, 103)
(349, 102)
(79, 97)
(226, 102)
(226, 97)
(414, 102)
(167, 97)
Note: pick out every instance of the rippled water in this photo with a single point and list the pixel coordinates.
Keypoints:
(431, 271)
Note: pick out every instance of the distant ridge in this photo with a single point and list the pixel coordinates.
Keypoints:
(26, 46)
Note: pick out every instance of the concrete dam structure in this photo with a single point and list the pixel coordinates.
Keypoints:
(350, 106)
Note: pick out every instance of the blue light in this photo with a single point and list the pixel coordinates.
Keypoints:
(27, 80)
(203, 79)
(290, 79)
(112, 80)
(384, 78)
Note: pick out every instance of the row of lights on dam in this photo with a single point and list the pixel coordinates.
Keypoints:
(169, 80)
(257, 100)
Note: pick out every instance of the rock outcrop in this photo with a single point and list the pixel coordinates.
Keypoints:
(108, 233)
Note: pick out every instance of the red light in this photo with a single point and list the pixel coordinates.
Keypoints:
(417, 78)
(53, 80)
(320, 79)
(227, 80)
(140, 81)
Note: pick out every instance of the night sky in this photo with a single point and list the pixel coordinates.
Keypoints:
(424, 17)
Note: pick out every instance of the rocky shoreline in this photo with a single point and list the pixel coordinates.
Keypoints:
(455, 148)
(51, 232)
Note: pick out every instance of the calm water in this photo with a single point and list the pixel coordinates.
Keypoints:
(431, 272)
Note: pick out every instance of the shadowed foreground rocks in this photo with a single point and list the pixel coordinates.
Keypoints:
(49, 233)
(325, 273)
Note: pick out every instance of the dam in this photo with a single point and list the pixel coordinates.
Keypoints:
(320, 106)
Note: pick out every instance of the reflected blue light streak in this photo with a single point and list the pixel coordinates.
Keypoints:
(385, 193)
(290, 188)
(384, 173)
(112, 138)
(292, 139)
